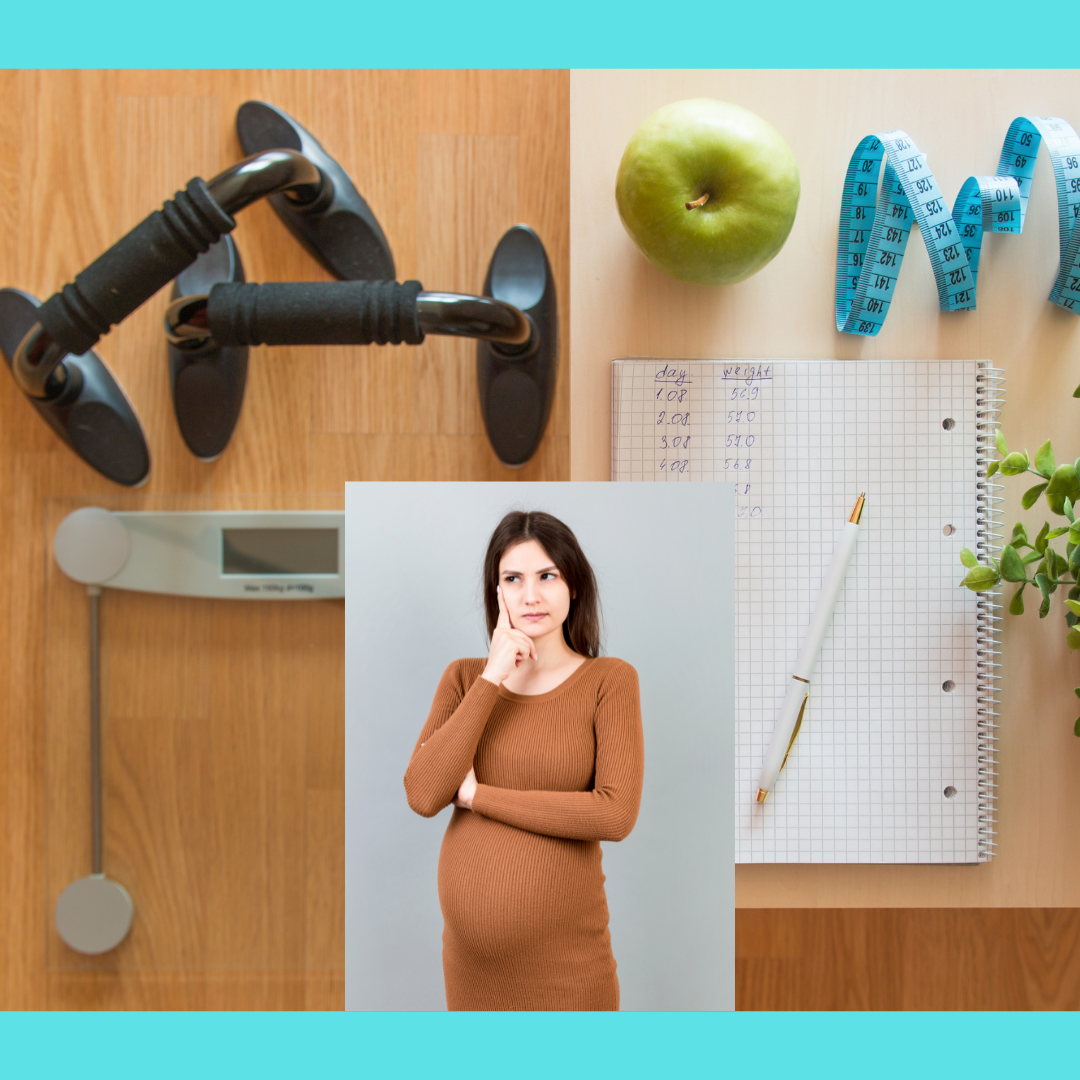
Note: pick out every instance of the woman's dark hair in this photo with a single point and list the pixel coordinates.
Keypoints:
(582, 627)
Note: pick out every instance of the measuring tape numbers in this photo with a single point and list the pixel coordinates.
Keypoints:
(875, 226)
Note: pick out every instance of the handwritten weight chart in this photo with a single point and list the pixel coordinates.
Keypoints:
(801, 440)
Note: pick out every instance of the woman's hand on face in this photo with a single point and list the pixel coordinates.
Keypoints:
(509, 647)
(464, 796)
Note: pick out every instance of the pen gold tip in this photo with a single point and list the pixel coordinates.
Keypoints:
(761, 795)
(860, 502)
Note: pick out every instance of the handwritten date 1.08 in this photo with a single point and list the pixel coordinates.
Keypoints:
(672, 394)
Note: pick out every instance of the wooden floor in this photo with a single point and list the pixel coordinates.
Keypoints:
(222, 722)
(907, 958)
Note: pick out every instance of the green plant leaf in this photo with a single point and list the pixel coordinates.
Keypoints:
(1074, 533)
(999, 442)
(1054, 563)
(1061, 530)
(1074, 561)
(1076, 726)
(1073, 606)
(1076, 691)
(1040, 540)
(1016, 604)
(1063, 484)
(1044, 587)
(982, 578)
(1044, 459)
(967, 557)
(992, 468)
(1069, 511)
(1073, 638)
(1032, 556)
(1014, 464)
(1019, 536)
(1051, 557)
(1031, 496)
(1012, 566)
(1060, 567)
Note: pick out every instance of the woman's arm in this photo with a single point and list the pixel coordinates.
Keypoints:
(446, 747)
(444, 753)
(609, 811)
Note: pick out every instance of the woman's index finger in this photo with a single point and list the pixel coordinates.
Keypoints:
(504, 615)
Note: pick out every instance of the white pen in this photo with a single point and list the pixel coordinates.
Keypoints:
(791, 713)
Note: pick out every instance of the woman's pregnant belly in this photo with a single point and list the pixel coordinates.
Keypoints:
(507, 892)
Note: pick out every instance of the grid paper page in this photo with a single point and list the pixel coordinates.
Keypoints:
(881, 739)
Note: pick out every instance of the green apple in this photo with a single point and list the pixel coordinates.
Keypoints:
(707, 191)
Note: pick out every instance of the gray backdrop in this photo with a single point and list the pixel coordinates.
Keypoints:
(664, 556)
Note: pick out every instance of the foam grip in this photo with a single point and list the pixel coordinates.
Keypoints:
(316, 313)
(134, 268)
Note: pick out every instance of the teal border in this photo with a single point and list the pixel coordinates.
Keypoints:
(544, 33)
(560, 34)
(538, 1045)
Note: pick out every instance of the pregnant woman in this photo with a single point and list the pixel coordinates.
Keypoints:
(539, 747)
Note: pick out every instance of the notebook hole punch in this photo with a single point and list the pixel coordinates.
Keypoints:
(948, 686)
(949, 792)
(948, 530)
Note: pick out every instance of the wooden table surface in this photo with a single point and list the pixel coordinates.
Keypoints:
(223, 722)
(623, 306)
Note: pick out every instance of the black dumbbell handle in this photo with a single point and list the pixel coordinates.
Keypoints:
(134, 268)
(315, 313)
(149, 257)
(341, 313)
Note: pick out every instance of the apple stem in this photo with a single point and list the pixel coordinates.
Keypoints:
(698, 202)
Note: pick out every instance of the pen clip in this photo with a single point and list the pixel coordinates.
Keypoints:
(798, 724)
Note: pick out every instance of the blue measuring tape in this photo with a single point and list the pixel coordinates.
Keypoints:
(874, 228)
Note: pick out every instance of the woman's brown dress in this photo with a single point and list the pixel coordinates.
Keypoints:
(520, 879)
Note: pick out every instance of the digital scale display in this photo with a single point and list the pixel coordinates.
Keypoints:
(265, 552)
(227, 554)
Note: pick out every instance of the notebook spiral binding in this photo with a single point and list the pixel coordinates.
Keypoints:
(989, 399)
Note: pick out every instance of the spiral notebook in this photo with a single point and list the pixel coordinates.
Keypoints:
(895, 759)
